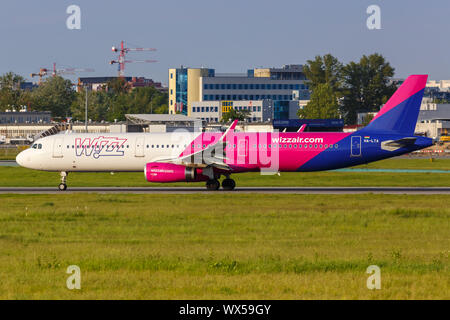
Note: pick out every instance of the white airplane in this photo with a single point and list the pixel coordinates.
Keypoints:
(129, 152)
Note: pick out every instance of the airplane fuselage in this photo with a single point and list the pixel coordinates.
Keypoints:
(305, 151)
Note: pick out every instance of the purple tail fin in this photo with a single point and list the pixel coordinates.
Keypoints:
(399, 114)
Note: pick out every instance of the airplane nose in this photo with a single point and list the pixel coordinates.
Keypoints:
(21, 158)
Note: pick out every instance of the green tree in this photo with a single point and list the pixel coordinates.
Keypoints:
(326, 69)
(118, 107)
(146, 100)
(118, 86)
(11, 80)
(159, 104)
(55, 94)
(366, 86)
(114, 104)
(11, 96)
(234, 114)
(323, 104)
(367, 119)
(98, 104)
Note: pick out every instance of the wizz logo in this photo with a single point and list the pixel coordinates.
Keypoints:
(100, 147)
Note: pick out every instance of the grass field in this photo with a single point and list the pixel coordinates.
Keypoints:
(9, 153)
(227, 246)
(223, 246)
(20, 177)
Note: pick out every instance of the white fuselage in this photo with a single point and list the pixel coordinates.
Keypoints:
(103, 151)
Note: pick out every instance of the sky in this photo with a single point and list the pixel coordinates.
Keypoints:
(229, 36)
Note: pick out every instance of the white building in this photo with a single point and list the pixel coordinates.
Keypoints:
(212, 111)
(434, 119)
(24, 130)
(442, 85)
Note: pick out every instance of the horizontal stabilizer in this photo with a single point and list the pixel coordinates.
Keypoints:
(392, 145)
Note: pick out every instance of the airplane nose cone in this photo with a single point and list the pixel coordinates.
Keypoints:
(21, 159)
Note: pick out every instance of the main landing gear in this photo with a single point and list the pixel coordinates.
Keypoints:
(212, 184)
(63, 186)
(227, 184)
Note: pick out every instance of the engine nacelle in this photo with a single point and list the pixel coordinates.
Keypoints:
(169, 172)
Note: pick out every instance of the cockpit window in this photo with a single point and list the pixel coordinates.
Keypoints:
(34, 146)
(39, 146)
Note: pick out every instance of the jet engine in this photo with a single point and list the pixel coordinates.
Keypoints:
(169, 172)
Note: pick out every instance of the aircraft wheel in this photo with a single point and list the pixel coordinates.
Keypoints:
(62, 186)
(213, 184)
(228, 184)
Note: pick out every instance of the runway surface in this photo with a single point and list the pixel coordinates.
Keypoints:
(195, 190)
(13, 163)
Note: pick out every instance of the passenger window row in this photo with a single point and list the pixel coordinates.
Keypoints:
(167, 146)
(116, 146)
(98, 147)
(300, 146)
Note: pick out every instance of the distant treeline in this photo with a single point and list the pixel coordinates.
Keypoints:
(59, 96)
(341, 91)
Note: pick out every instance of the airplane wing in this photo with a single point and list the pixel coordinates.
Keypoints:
(212, 155)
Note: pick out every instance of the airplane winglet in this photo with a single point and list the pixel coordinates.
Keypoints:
(233, 125)
(302, 128)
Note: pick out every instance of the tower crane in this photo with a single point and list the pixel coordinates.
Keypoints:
(121, 61)
(42, 72)
(54, 72)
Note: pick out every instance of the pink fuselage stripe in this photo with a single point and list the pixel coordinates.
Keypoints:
(251, 151)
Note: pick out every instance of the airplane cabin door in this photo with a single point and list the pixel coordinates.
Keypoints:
(242, 153)
(242, 148)
(57, 148)
(355, 146)
(139, 147)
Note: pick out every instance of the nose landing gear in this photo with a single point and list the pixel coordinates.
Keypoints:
(62, 186)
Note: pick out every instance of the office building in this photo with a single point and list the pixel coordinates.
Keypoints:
(24, 116)
(185, 88)
(433, 120)
(161, 123)
(212, 111)
(283, 88)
